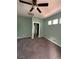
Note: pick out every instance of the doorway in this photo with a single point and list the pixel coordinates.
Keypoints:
(35, 30)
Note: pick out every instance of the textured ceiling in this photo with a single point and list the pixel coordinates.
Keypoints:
(53, 7)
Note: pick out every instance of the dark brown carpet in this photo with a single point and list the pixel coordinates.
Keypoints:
(39, 48)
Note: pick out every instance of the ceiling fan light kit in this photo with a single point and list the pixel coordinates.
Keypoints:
(35, 5)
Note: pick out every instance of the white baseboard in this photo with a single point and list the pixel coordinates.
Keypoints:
(46, 38)
(21, 37)
(53, 41)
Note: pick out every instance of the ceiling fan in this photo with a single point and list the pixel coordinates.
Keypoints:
(35, 5)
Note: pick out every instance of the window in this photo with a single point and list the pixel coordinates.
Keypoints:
(55, 21)
(50, 22)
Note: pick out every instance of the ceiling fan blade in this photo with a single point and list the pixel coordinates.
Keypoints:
(43, 4)
(38, 10)
(31, 9)
(25, 2)
(34, 2)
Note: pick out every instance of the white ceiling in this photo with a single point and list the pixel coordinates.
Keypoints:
(53, 7)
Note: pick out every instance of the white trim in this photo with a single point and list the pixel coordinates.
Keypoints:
(33, 28)
(53, 41)
(19, 37)
(22, 37)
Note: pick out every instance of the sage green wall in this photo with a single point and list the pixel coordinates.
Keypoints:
(24, 26)
(53, 32)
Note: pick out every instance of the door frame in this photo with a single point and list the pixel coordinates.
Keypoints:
(33, 29)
